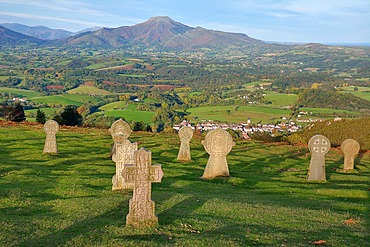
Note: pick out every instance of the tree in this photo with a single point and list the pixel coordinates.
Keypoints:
(14, 113)
(40, 116)
(69, 116)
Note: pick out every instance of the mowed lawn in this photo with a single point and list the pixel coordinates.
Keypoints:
(66, 199)
(233, 114)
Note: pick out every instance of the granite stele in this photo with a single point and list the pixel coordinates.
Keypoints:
(318, 145)
(218, 143)
(51, 128)
(185, 134)
(350, 149)
(142, 173)
(123, 152)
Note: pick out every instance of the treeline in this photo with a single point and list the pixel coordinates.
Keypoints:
(337, 132)
(326, 98)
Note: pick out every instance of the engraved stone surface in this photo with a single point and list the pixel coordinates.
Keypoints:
(185, 134)
(350, 149)
(123, 152)
(51, 128)
(318, 145)
(218, 143)
(142, 174)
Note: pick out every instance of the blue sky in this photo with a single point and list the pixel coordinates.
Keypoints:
(322, 21)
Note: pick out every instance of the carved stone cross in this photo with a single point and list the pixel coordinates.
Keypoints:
(185, 134)
(350, 149)
(123, 152)
(142, 174)
(319, 145)
(51, 127)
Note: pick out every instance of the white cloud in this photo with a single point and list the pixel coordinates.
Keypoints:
(68, 20)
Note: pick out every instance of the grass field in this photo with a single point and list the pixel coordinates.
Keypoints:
(328, 111)
(279, 99)
(66, 199)
(67, 99)
(89, 90)
(241, 114)
(23, 92)
(127, 111)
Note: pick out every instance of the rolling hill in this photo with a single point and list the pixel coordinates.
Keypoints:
(9, 37)
(40, 32)
(160, 31)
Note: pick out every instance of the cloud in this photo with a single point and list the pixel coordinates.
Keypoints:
(68, 20)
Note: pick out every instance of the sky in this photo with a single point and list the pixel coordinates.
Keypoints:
(305, 21)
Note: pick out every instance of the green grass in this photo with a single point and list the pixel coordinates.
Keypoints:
(90, 90)
(280, 99)
(328, 111)
(66, 199)
(255, 113)
(67, 99)
(47, 111)
(127, 111)
(132, 75)
(23, 92)
(132, 115)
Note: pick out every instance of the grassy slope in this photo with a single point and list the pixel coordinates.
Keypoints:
(88, 90)
(128, 112)
(65, 199)
(66, 99)
(255, 113)
(23, 92)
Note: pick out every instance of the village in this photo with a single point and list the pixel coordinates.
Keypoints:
(245, 128)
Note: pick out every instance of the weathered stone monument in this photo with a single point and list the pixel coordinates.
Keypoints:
(318, 145)
(350, 149)
(51, 128)
(185, 134)
(142, 173)
(123, 152)
(218, 143)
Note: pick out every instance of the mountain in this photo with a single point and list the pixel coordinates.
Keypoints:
(160, 31)
(40, 32)
(9, 37)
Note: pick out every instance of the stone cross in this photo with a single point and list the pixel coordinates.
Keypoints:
(142, 174)
(51, 127)
(218, 143)
(350, 148)
(123, 152)
(185, 134)
(318, 145)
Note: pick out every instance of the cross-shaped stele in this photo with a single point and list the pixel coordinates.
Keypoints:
(319, 145)
(51, 127)
(142, 174)
(350, 148)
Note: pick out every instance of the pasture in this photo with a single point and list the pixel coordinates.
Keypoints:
(239, 114)
(66, 199)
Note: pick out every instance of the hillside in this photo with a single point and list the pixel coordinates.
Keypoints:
(160, 31)
(40, 32)
(9, 37)
(66, 199)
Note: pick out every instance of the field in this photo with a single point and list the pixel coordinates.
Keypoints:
(279, 99)
(24, 93)
(66, 199)
(90, 90)
(66, 99)
(239, 114)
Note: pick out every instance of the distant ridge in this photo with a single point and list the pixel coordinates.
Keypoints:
(160, 31)
(40, 32)
(9, 37)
